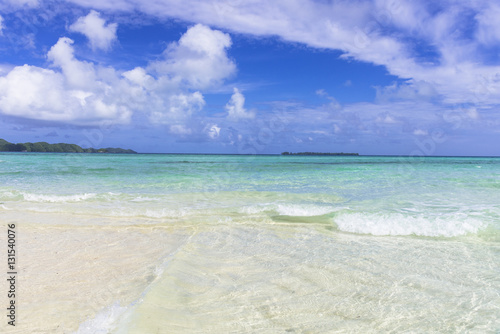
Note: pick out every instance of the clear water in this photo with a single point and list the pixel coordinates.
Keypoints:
(277, 244)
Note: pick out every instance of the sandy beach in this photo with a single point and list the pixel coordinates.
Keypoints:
(68, 275)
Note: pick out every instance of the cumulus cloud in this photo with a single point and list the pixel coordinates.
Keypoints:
(75, 94)
(78, 74)
(44, 94)
(139, 76)
(79, 92)
(179, 107)
(236, 107)
(199, 60)
(100, 35)
(173, 84)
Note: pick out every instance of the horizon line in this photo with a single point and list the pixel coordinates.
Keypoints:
(270, 154)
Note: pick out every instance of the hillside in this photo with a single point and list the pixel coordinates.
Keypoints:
(5, 146)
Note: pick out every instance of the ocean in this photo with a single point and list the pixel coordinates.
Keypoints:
(165, 243)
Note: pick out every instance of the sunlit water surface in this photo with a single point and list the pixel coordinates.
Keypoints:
(279, 244)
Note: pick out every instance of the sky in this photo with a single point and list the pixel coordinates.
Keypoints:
(396, 77)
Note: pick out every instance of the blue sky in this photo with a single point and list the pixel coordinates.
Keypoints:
(375, 77)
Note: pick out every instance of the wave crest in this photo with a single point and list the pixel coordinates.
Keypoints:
(57, 198)
(450, 225)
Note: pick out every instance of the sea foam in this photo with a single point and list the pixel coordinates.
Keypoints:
(290, 209)
(56, 198)
(449, 225)
(303, 210)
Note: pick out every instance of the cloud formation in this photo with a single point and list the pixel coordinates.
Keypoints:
(84, 93)
(100, 35)
(382, 32)
(198, 61)
(236, 107)
(75, 92)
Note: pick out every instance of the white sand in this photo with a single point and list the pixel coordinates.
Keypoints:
(69, 274)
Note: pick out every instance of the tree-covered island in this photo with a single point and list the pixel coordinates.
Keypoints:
(319, 153)
(5, 146)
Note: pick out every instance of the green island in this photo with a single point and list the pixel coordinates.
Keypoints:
(319, 153)
(5, 146)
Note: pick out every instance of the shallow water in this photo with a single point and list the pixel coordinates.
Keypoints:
(274, 244)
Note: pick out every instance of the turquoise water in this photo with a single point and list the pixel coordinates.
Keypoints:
(285, 243)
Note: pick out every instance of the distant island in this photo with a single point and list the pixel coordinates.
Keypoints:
(5, 146)
(317, 153)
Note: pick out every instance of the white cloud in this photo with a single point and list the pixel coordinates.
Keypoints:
(236, 107)
(213, 131)
(177, 108)
(382, 32)
(1, 25)
(199, 60)
(79, 74)
(37, 93)
(139, 77)
(76, 94)
(100, 35)
(79, 92)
